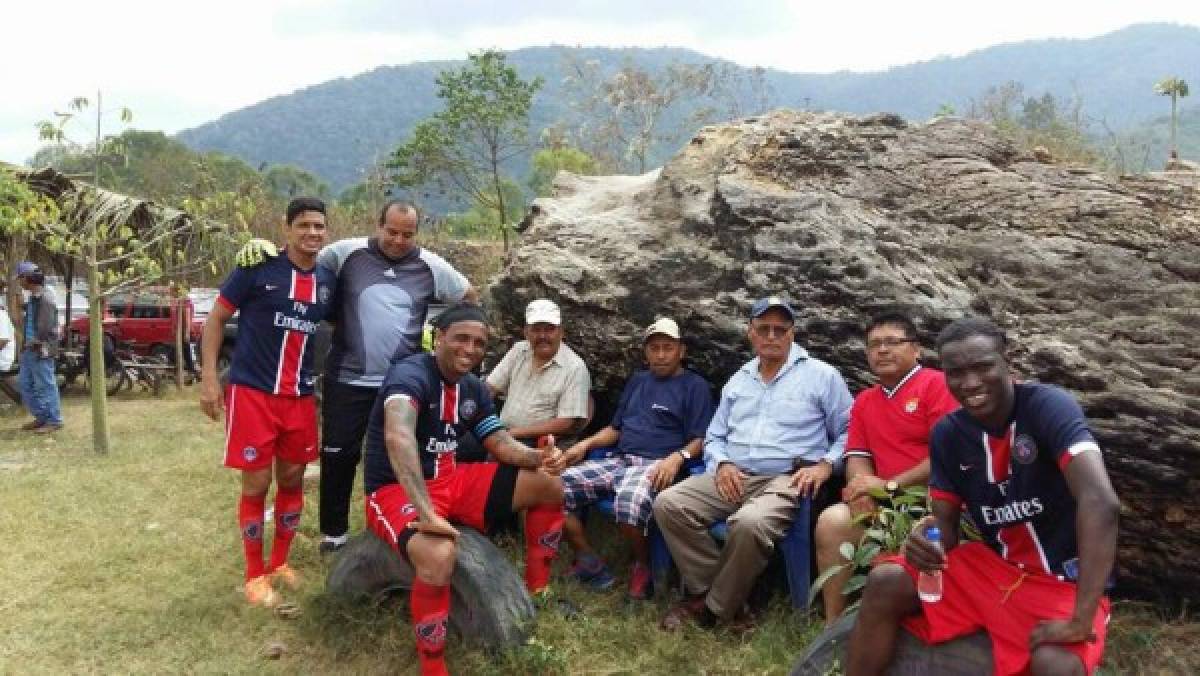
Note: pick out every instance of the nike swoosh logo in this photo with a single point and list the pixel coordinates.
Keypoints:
(271, 287)
(389, 273)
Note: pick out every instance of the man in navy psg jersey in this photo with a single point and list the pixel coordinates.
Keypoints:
(270, 419)
(1021, 459)
(415, 488)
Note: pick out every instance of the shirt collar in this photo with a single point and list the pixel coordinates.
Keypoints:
(892, 392)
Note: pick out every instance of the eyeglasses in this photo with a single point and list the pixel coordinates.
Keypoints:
(889, 343)
(771, 330)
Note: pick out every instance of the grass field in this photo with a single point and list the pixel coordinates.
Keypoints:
(130, 563)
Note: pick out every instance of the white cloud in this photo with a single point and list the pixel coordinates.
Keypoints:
(181, 64)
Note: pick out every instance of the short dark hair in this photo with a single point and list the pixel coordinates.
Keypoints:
(399, 204)
(964, 328)
(300, 205)
(893, 319)
(460, 312)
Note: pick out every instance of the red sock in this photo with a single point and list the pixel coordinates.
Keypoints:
(289, 503)
(543, 532)
(430, 607)
(250, 519)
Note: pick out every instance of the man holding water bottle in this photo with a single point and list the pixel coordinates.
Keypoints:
(1021, 459)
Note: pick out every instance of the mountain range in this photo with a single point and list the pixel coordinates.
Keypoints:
(337, 129)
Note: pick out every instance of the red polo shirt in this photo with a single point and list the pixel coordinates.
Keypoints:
(892, 427)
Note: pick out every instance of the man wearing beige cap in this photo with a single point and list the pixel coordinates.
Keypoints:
(544, 383)
(657, 429)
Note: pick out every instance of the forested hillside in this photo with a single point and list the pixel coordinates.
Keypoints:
(339, 128)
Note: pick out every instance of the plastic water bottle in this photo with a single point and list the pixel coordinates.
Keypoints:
(929, 585)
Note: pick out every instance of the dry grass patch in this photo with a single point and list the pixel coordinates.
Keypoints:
(131, 562)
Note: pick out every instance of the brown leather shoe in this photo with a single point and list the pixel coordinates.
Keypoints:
(32, 425)
(47, 429)
(687, 610)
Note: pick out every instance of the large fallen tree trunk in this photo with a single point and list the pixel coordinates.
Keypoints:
(1096, 279)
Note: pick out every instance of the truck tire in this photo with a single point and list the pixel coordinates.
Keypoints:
(966, 656)
(489, 606)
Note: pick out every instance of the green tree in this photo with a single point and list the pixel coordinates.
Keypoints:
(481, 219)
(482, 127)
(549, 161)
(1177, 89)
(123, 243)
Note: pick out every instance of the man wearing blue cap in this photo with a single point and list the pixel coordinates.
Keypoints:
(35, 379)
(779, 429)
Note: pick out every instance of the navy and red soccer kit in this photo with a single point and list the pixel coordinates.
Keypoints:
(475, 494)
(269, 404)
(892, 427)
(479, 495)
(1012, 483)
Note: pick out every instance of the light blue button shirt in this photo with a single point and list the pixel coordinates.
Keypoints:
(763, 428)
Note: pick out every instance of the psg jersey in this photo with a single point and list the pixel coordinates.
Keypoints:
(445, 412)
(1012, 480)
(280, 307)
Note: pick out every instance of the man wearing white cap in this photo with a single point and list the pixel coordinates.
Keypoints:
(545, 384)
(658, 428)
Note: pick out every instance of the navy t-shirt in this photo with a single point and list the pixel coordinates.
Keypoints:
(657, 417)
(1012, 480)
(445, 412)
(281, 306)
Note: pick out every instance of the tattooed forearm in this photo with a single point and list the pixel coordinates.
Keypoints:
(400, 424)
(512, 452)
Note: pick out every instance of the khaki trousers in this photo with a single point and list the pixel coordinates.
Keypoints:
(684, 513)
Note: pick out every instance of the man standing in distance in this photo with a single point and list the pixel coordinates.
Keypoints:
(271, 419)
(887, 448)
(39, 389)
(385, 285)
(1021, 459)
(415, 487)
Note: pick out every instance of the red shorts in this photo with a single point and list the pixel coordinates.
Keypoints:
(477, 495)
(260, 427)
(980, 590)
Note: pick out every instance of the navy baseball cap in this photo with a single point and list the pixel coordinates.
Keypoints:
(26, 268)
(763, 304)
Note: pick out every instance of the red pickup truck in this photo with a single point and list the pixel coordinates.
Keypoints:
(145, 320)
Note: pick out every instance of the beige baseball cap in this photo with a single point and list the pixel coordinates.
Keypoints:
(543, 311)
(665, 326)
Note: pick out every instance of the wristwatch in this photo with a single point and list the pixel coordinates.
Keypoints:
(891, 487)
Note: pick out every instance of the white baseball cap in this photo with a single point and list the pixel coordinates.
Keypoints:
(542, 311)
(665, 326)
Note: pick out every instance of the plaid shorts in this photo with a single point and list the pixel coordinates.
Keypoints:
(621, 476)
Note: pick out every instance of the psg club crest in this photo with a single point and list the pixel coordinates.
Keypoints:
(249, 454)
(467, 409)
(253, 530)
(910, 406)
(323, 294)
(290, 520)
(432, 632)
(1025, 449)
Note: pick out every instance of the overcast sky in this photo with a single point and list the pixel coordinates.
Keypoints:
(177, 65)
